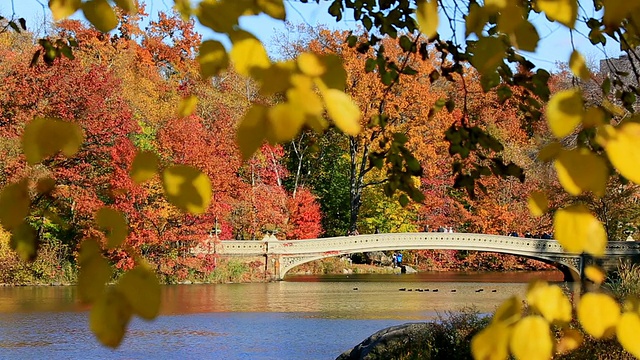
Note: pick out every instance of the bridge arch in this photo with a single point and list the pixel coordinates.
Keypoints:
(570, 266)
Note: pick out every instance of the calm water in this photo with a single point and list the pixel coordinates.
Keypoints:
(305, 317)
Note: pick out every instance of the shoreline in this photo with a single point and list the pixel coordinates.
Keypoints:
(382, 271)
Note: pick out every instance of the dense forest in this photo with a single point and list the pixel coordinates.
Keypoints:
(123, 89)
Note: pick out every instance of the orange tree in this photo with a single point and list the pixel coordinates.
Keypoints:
(313, 87)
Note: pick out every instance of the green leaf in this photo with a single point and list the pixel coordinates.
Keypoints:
(187, 188)
(488, 54)
(100, 14)
(141, 288)
(114, 224)
(45, 137)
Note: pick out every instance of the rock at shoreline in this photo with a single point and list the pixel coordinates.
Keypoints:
(392, 343)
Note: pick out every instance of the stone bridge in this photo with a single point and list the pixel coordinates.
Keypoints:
(283, 255)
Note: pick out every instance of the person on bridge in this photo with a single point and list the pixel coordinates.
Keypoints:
(395, 259)
(399, 259)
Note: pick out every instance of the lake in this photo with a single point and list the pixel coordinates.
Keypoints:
(304, 317)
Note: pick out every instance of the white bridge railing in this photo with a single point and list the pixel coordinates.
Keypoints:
(407, 241)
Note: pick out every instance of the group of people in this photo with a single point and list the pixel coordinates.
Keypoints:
(397, 259)
(441, 229)
(544, 235)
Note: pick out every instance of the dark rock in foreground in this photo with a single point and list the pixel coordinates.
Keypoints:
(447, 338)
(400, 341)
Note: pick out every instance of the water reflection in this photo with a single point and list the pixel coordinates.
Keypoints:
(303, 318)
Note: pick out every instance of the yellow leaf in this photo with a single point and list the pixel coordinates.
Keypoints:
(594, 274)
(593, 117)
(549, 151)
(622, 149)
(304, 98)
(109, 317)
(114, 224)
(511, 18)
(427, 16)
(476, 19)
(187, 188)
(632, 303)
(141, 288)
(61, 9)
(251, 130)
(562, 11)
(273, 8)
(564, 112)
(598, 314)
(509, 311)
(310, 64)
(341, 109)
(526, 36)
(285, 122)
(578, 66)
(183, 7)
(212, 58)
(187, 106)
(579, 170)
(94, 272)
(14, 204)
(100, 14)
(491, 343)
(248, 54)
(549, 301)
(496, 4)
(144, 166)
(627, 332)
(577, 230)
(276, 78)
(615, 11)
(45, 185)
(538, 203)
(45, 137)
(128, 6)
(531, 339)
(335, 77)
(220, 16)
(24, 242)
(613, 108)
(488, 54)
(571, 340)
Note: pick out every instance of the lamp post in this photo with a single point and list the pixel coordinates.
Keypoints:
(213, 234)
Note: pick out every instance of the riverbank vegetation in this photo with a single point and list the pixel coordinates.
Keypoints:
(99, 157)
(121, 89)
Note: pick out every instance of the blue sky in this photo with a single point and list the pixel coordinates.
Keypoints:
(555, 44)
